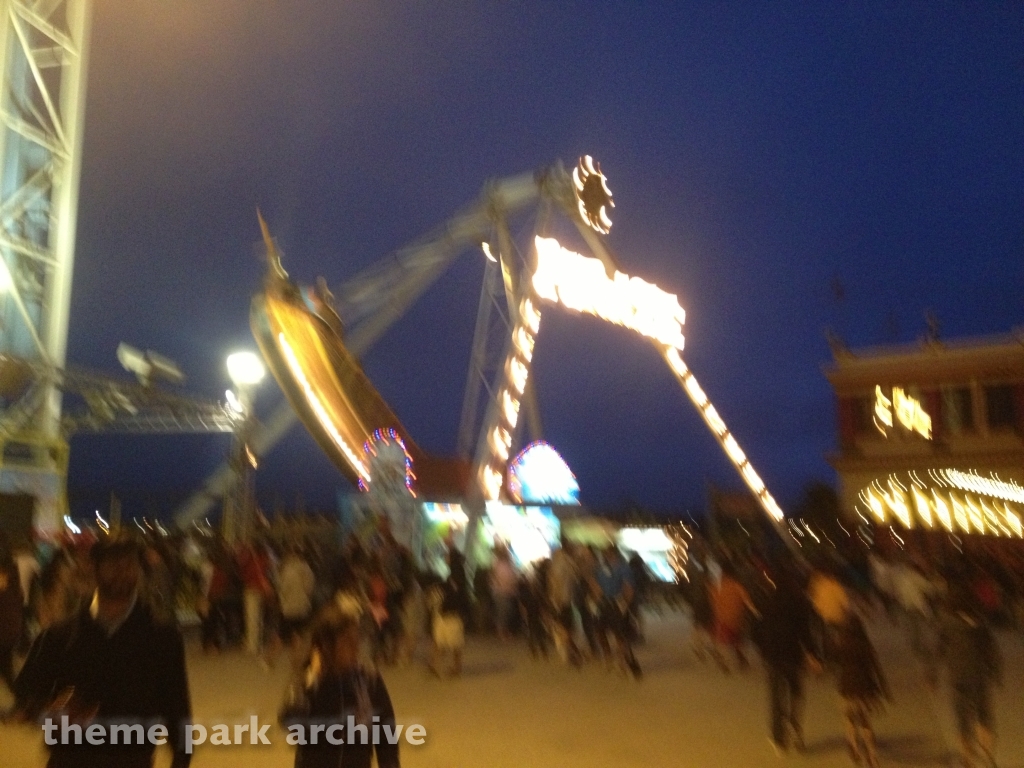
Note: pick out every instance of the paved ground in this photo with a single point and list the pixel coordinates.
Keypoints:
(510, 711)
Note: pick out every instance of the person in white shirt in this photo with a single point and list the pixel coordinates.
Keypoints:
(504, 581)
(295, 584)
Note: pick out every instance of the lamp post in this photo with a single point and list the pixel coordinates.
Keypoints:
(246, 370)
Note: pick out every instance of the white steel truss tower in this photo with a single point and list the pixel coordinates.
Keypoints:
(42, 110)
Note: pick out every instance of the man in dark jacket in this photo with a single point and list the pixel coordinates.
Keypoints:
(975, 664)
(785, 641)
(109, 665)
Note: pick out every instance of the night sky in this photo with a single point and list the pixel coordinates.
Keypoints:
(782, 167)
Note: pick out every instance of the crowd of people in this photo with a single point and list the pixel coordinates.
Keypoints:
(341, 606)
(808, 616)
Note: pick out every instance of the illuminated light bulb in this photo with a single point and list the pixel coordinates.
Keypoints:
(773, 509)
(992, 519)
(876, 506)
(510, 407)
(1013, 520)
(518, 373)
(960, 514)
(524, 343)
(501, 441)
(320, 411)
(491, 483)
(714, 420)
(942, 511)
(577, 182)
(733, 449)
(898, 504)
(969, 481)
(924, 510)
(975, 514)
(883, 412)
(696, 393)
(531, 316)
(752, 479)
(675, 362)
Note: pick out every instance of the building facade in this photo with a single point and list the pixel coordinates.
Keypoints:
(932, 434)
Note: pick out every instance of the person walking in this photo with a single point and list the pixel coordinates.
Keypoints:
(295, 584)
(730, 604)
(504, 585)
(11, 616)
(562, 583)
(337, 691)
(254, 569)
(448, 633)
(831, 604)
(862, 688)
(973, 661)
(112, 663)
(617, 594)
(914, 592)
(786, 644)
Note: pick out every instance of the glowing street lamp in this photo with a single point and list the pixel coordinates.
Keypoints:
(246, 371)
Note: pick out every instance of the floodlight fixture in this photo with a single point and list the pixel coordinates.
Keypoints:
(245, 369)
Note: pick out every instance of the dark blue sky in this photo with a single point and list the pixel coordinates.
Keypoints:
(757, 152)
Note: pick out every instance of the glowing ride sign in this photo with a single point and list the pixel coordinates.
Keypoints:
(581, 283)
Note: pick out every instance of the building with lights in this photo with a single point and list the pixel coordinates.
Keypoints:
(931, 435)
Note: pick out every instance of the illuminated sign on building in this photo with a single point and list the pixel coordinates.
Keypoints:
(907, 411)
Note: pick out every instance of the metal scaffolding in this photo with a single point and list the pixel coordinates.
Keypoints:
(42, 109)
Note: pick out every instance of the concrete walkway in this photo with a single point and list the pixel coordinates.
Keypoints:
(509, 711)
